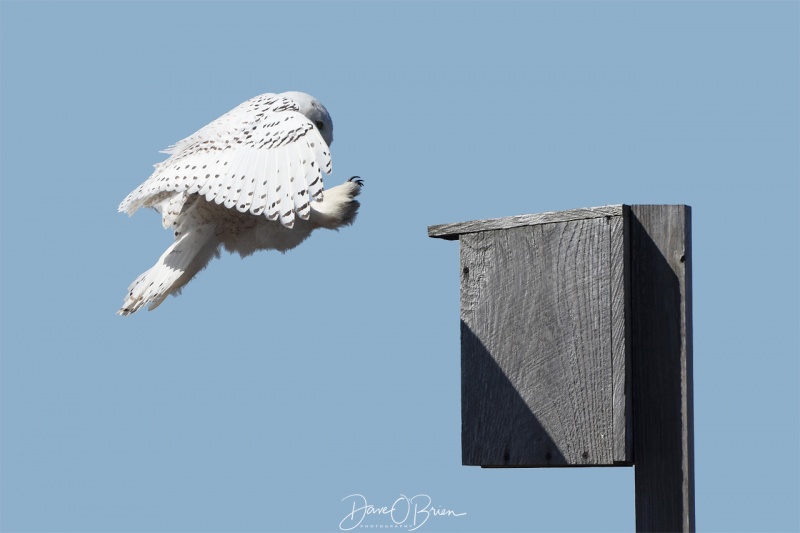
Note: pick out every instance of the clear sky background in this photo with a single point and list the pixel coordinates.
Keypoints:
(277, 385)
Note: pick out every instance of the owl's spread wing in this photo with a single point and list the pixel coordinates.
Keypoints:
(263, 157)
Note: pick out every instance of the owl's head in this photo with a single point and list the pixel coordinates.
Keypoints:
(314, 111)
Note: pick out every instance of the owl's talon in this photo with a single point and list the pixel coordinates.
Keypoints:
(357, 180)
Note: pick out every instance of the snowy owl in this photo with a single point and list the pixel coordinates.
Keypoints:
(250, 180)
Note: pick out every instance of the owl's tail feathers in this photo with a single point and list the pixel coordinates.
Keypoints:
(188, 255)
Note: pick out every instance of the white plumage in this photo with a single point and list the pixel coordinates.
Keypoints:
(250, 180)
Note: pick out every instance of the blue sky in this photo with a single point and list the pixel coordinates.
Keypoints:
(216, 412)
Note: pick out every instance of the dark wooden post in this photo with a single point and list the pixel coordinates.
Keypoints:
(576, 347)
(661, 326)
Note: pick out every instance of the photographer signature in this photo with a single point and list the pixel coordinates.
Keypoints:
(410, 513)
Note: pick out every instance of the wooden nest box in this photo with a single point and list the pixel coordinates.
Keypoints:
(576, 347)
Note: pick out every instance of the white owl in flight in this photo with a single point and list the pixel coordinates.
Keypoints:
(251, 180)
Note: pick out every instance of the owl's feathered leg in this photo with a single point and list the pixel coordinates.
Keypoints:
(338, 207)
(188, 255)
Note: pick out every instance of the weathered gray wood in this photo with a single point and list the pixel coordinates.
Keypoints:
(576, 338)
(621, 338)
(452, 231)
(543, 353)
(662, 367)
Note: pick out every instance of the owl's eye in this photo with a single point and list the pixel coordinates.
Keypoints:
(319, 125)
